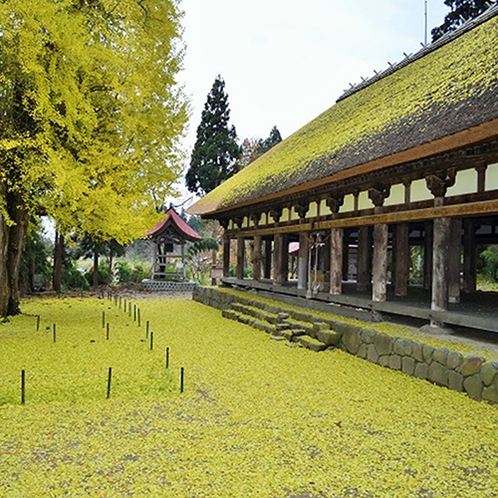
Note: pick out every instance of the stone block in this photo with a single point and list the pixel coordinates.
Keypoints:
(383, 344)
(372, 354)
(455, 381)
(362, 351)
(368, 335)
(417, 352)
(438, 374)
(490, 394)
(328, 337)
(408, 365)
(395, 362)
(454, 360)
(321, 326)
(311, 344)
(473, 386)
(421, 370)
(282, 326)
(283, 316)
(488, 372)
(440, 355)
(352, 340)
(384, 360)
(427, 353)
(403, 347)
(471, 366)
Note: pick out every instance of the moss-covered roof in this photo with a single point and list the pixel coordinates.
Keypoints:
(448, 90)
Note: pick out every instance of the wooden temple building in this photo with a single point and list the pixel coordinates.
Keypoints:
(170, 237)
(403, 168)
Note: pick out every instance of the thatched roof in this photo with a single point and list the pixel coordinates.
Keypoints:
(447, 89)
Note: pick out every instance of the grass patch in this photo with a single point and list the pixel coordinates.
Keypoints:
(256, 419)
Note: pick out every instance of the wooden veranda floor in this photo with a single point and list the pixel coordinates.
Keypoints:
(477, 311)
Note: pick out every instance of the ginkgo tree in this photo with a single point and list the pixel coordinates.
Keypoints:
(90, 119)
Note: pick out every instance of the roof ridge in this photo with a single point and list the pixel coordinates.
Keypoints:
(446, 38)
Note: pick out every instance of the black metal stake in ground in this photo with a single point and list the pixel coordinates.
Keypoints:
(23, 387)
(167, 357)
(129, 309)
(134, 312)
(37, 322)
(107, 332)
(138, 316)
(182, 379)
(147, 329)
(54, 333)
(109, 378)
(103, 319)
(151, 341)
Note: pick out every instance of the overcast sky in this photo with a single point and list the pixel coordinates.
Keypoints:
(286, 61)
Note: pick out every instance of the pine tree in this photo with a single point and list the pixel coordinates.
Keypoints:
(215, 153)
(461, 11)
(271, 141)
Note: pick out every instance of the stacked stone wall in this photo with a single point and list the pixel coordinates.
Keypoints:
(442, 366)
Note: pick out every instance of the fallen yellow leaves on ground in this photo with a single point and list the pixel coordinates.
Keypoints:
(257, 418)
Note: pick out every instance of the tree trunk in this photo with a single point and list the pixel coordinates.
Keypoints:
(4, 280)
(17, 239)
(95, 281)
(58, 259)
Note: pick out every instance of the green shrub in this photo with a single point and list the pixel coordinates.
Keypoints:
(132, 272)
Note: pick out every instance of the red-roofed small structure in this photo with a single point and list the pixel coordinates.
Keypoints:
(169, 237)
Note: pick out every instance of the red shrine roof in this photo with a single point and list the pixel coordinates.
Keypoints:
(174, 220)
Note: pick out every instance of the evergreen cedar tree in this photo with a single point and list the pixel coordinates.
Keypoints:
(271, 141)
(91, 116)
(461, 11)
(215, 153)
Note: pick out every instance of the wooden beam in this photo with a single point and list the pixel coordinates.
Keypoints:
(267, 259)
(278, 244)
(471, 209)
(428, 248)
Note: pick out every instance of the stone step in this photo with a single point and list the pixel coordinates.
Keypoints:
(310, 343)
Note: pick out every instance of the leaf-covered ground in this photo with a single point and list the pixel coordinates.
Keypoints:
(257, 418)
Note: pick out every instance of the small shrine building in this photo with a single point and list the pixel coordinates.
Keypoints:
(170, 237)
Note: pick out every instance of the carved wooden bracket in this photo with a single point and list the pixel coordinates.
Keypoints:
(276, 214)
(255, 217)
(334, 202)
(238, 222)
(224, 223)
(379, 194)
(302, 209)
(439, 182)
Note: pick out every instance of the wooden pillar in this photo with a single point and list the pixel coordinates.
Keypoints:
(267, 259)
(285, 258)
(278, 243)
(454, 263)
(302, 276)
(362, 265)
(345, 255)
(440, 264)
(428, 247)
(241, 245)
(469, 256)
(401, 260)
(256, 270)
(379, 266)
(226, 256)
(336, 260)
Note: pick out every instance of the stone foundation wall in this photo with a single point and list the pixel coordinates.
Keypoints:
(168, 286)
(451, 369)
